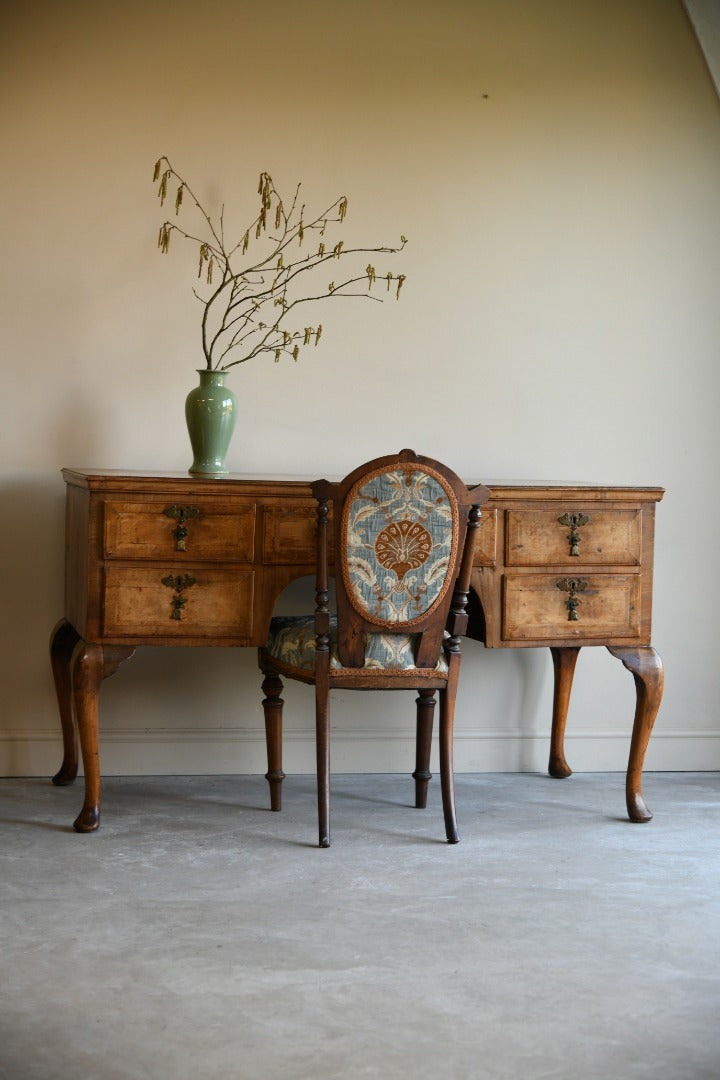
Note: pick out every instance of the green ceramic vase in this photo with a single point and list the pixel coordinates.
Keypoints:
(210, 414)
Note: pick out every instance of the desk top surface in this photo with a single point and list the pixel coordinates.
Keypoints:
(114, 479)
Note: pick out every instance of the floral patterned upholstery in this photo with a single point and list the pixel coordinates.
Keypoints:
(292, 641)
(398, 533)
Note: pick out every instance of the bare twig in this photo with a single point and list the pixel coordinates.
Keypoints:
(232, 321)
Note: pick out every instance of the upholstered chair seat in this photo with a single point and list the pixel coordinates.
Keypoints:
(292, 642)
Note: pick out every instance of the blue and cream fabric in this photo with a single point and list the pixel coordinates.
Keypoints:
(399, 531)
(292, 641)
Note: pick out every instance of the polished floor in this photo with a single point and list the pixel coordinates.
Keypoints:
(197, 935)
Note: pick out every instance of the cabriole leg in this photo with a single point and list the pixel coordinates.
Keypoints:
(423, 744)
(62, 645)
(564, 659)
(87, 675)
(647, 670)
(90, 665)
(273, 708)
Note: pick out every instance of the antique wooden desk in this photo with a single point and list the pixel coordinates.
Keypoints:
(169, 559)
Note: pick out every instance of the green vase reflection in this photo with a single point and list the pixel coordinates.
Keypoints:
(210, 415)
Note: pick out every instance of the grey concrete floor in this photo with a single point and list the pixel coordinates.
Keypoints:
(199, 935)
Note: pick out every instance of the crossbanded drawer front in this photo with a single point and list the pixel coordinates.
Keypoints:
(169, 602)
(213, 531)
(578, 535)
(485, 541)
(289, 536)
(538, 607)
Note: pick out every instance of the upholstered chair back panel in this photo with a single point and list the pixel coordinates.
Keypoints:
(399, 535)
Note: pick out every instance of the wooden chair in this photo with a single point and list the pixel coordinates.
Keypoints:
(404, 535)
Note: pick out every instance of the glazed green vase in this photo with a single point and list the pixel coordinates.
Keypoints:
(210, 414)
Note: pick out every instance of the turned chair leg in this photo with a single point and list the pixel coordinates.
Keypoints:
(447, 777)
(273, 708)
(422, 776)
(322, 740)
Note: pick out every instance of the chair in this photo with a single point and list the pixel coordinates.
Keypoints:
(404, 534)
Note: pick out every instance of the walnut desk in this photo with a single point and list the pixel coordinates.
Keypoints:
(170, 559)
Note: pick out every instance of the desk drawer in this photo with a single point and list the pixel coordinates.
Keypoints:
(549, 607)
(188, 602)
(289, 536)
(564, 535)
(204, 530)
(485, 541)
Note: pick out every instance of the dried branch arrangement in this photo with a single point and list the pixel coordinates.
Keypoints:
(248, 303)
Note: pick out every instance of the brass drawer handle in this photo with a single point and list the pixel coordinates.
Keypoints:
(179, 583)
(573, 522)
(572, 586)
(181, 514)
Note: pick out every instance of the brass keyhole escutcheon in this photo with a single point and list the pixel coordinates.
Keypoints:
(574, 522)
(572, 586)
(181, 514)
(178, 582)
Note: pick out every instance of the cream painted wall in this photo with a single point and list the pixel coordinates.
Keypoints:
(556, 168)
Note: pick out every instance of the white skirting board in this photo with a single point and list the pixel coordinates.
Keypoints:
(221, 750)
